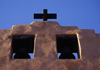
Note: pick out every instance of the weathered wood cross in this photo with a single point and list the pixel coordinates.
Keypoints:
(45, 16)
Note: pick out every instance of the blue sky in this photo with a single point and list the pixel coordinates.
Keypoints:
(85, 14)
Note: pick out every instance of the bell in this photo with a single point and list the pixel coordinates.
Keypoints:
(22, 54)
(66, 54)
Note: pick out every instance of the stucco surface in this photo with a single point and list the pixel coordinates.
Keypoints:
(45, 52)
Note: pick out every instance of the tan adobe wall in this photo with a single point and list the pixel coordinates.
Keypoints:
(45, 55)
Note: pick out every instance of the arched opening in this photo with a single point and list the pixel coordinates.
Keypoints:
(67, 46)
(22, 47)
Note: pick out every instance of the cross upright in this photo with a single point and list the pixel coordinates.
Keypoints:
(45, 16)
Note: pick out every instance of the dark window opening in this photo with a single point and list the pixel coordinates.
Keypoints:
(22, 47)
(67, 47)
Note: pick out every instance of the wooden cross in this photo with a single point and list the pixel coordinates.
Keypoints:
(45, 16)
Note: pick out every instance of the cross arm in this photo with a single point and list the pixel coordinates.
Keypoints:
(38, 16)
(51, 16)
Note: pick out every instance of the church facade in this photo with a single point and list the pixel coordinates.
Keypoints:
(46, 39)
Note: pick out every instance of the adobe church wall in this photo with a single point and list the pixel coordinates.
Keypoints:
(45, 55)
